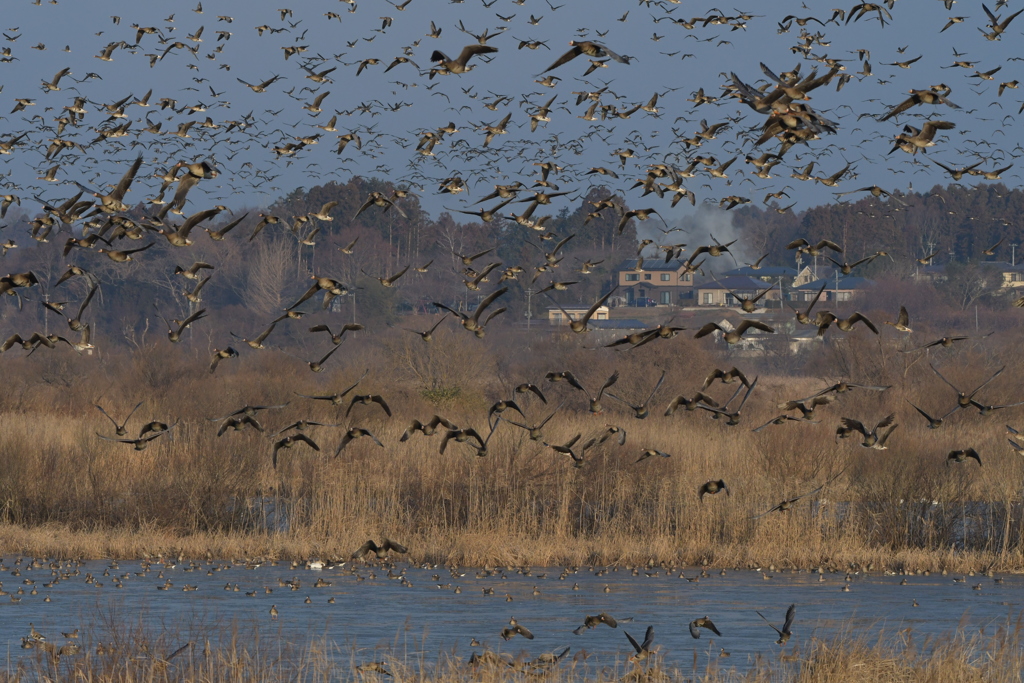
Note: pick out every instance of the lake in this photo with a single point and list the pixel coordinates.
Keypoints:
(380, 613)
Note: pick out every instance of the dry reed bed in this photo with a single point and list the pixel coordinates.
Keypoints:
(131, 651)
(65, 492)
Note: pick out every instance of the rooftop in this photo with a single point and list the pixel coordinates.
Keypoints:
(652, 264)
(845, 283)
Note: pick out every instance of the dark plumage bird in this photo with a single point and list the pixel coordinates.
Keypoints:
(703, 622)
(585, 47)
(460, 64)
(786, 632)
(592, 622)
(712, 487)
(963, 455)
(381, 551)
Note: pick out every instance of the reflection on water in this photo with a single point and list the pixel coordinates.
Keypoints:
(373, 613)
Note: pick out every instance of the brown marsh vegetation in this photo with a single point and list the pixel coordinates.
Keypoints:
(66, 492)
(129, 651)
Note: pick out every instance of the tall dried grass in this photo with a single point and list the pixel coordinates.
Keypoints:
(128, 650)
(65, 492)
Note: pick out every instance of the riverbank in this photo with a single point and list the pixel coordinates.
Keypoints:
(478, 550)
(850, 657)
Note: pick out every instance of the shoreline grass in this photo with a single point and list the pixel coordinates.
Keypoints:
(476, 550)
(126, 649)
(67, 493)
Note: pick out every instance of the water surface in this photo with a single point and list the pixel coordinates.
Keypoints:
(380, 617)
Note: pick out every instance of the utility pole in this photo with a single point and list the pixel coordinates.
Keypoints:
(529, 305)
(1013, 254)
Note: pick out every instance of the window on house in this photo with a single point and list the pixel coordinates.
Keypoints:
(686, 278)
(730, 300)
(666, 297)
(666, 277)
(632, 277)
(708, 297)
(647, 276)
(843, 296)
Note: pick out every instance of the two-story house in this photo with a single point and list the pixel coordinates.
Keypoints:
(665, 283)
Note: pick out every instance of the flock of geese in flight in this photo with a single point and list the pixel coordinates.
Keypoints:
(778, 110)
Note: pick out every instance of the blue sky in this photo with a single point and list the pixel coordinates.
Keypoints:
(403, 102)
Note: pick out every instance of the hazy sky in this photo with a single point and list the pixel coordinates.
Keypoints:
(399, 105)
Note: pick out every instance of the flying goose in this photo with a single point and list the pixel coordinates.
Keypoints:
(139, 444)
(515, 629)
(825, 319)
(427, 429)
(934, 95)
(179, 235)
(595, 401)
(748, 305)
(964, 399)
(239, 423)
(902, 323)
(580, 325)
(175, 334)
(464, 435)
(650, 453)
(381, 551)
(567, 449)
(786, 632)
(643, 650)
(353, 434)
(586, 47)
(460, 64)
(733, 336)
(192, 272)
(337, 338)
(75, 323)
(290, 440)
(997, 26)
(783, 419)
(218, 235)
(963, 455)
(690, 404)
(933, 422)
(379, 199)
(317, 365)
(732, 415)
(802, 246)
(728, 377)
(703, 622)
(221, 354)
(528, 388)
(590, 622)
(712, 487)
(366, 400)
(248, 410)
(785, 505)
(119, 429)
(641, 410)
(112, 203)
(387, 281)
(472, 323)
(535, 430)
(872, 438)
(429, 334)
(336, 399)
(330, 287)
(257, 343)
(912, 139)
(122, 256)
